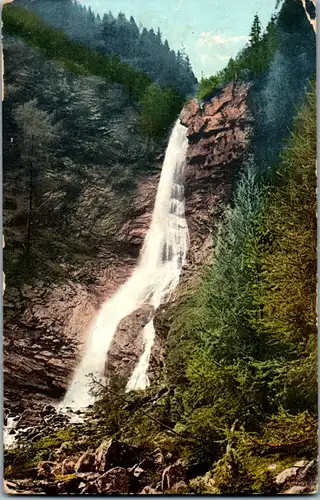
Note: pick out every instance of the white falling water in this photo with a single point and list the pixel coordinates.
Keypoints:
(10, 433)
(152, 282)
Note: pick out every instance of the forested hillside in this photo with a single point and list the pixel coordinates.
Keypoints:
(82, 60)
(140, 48)
(246, 339)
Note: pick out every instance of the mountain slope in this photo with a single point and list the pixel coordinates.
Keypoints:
(139, 47)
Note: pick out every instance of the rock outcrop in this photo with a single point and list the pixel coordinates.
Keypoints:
(300, 478)
(79, 467)
(218, 137)
(128, 344)
(46, 327)
(173, 475)
(113, 453)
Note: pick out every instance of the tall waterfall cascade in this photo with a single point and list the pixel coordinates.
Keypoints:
(153, 281)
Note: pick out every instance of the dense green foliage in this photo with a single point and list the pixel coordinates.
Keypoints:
(78, 57)
(254, 59)
(158, 109)
(75, 144)
(239, 387)
(288, 262)
(249, 332)
(83, 60)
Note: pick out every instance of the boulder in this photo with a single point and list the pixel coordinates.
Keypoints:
(172, 475)
(309, 470)
(115, 481)
(148, 490)
(88, 489)
(69, 486)
(85, 463)
(296, 490)
(286, 475)
(67, 467)
(45, 470)
(113, 453)
(298, 470)
(143, 476)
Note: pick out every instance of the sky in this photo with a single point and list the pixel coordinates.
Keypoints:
(211, 31)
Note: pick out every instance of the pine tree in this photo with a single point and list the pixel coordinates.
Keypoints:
(188, 64)
(134, 28)
(91, 16)
(255, 44)
(255, 34)
(121, 17)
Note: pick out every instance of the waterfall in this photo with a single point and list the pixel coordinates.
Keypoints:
(154, 279)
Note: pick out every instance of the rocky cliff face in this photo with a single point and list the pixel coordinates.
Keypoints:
(47, 327)
(218, 137)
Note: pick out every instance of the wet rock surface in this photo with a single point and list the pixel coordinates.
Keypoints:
(86, 237)
(128, 343)
(46, 327)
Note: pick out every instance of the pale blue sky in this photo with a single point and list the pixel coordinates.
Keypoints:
(212, 31)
